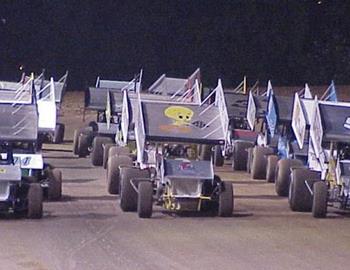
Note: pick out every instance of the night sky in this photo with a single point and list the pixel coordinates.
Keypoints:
(289, 42)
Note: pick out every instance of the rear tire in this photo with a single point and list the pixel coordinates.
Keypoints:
(55, 184)
(76, 141)
(83, 144)
(320, 200)
(105, 154)
(282, 175)
(226, 200)
(59, 133)
(118, 150)
(93, 125)
(35, 201)
(300, 198)
(97, 149)
(218, 157)
(128, 195)
(271, 168)
(205, 152)
(249, 159)
(145, 199)
(240, 155)
(259, 162)
(113, 172)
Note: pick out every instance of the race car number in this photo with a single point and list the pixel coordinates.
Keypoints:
(29, 161)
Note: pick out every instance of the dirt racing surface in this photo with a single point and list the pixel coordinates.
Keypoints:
(87, 230)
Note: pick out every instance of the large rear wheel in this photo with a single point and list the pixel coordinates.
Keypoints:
(271, 168)
(240, 155)
(113, 172)
(205, 152)
(97, 149)
(117, 150)
(106, 148)
(218, 157)
(259, 162)
(128, 195)
(300, 197)
(282, 175)
(249, 159)
(84, 142)
(76, 141)
(59, 133)
(76, 138)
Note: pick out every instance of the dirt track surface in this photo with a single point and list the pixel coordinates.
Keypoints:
(87, 230)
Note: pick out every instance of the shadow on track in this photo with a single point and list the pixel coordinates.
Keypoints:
(62, 157)
(74, 167)
(56, 150)
(87, 216)
(67, 198)
(79, 181)
(201, 214)
(249, 182)
(260, 197)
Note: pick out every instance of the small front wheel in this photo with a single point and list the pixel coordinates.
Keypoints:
(145, 200)
(35, 201)
(320, 200)
(225, 199)
(55, 184)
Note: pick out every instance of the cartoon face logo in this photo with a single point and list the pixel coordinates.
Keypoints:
(180, 115)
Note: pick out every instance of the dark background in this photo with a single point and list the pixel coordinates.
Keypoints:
(289, 42)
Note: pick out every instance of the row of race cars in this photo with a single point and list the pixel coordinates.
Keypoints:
(29, 110)
(304, 150)
(160, 145)
(153, 144)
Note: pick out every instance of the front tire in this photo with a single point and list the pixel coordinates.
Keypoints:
(55, 184)
(320, 200)
(145, 200)
(35, 201)
(225, 200)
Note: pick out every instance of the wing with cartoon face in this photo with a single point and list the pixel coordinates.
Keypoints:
(175, 122)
